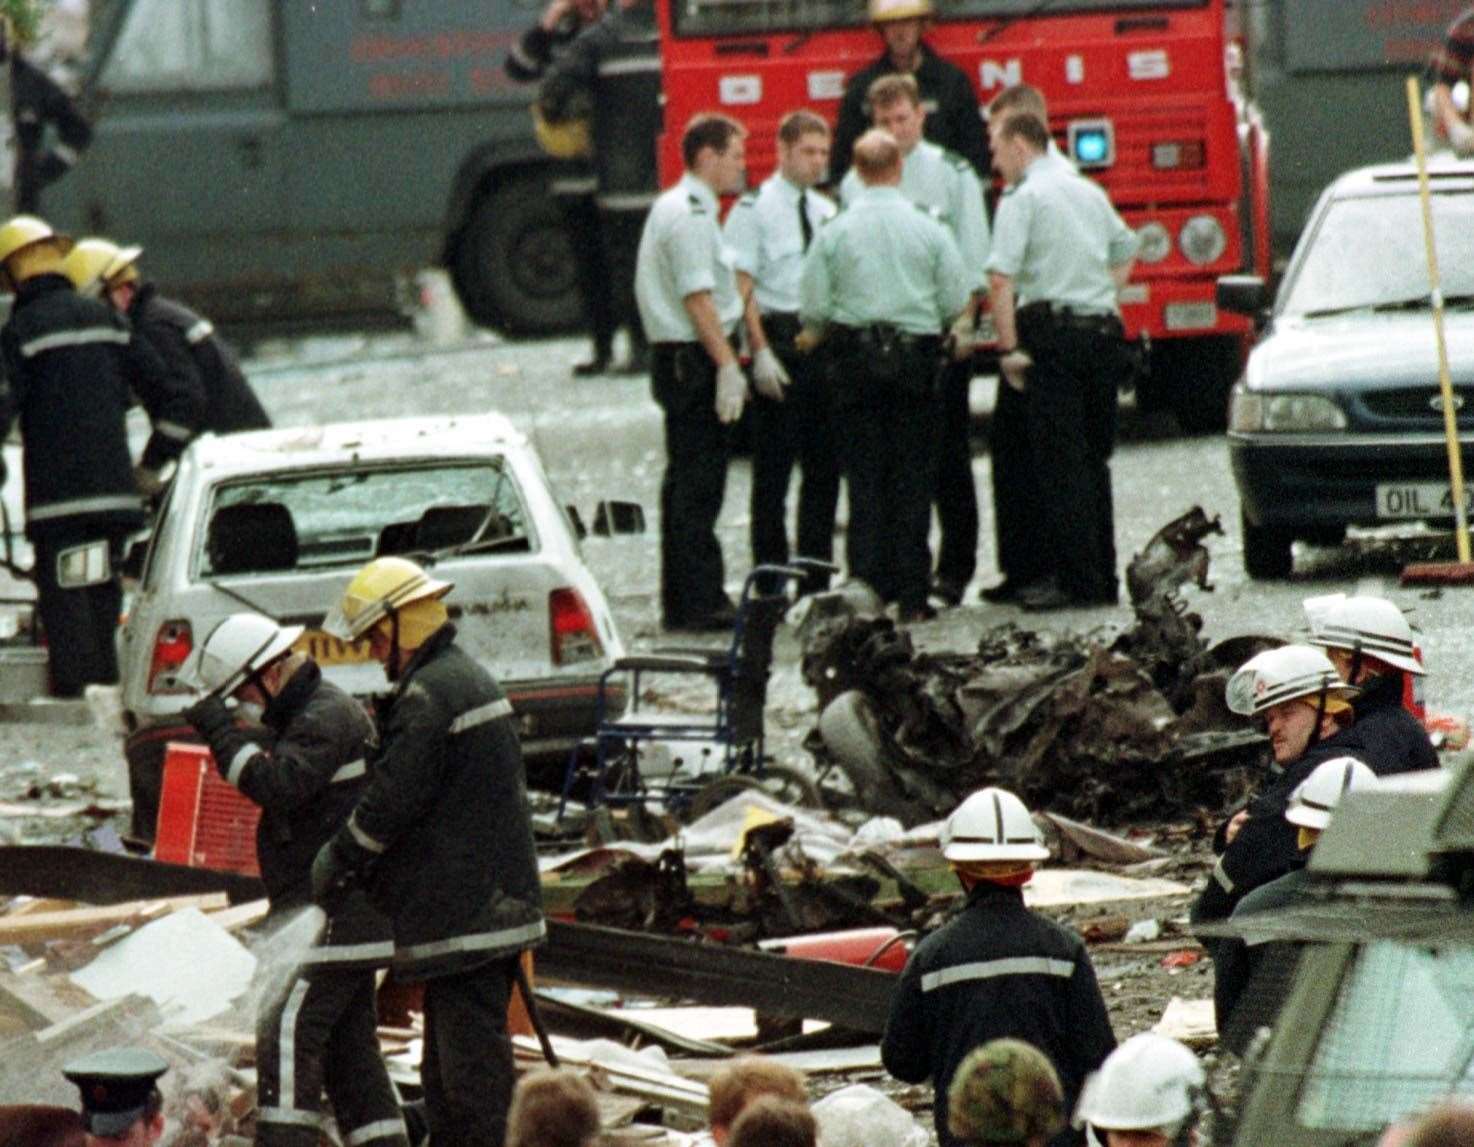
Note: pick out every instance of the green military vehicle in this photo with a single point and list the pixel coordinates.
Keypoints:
(278, 157)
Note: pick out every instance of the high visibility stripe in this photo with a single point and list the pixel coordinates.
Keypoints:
(238, 764)
(1373, 643)
(68, 155)
(349, 772)
(629, 66)
(282, 1115)
(175, 430)
(491, 711)
(520, 55)
(580, 186)
(383, 1129)
(626, 201)
(199, 332)
(1220, 874)
(334, 953)
(96, 504)
(363, 838)
(286, 1092)
(480, 942)
(992, 969)
(75, 338)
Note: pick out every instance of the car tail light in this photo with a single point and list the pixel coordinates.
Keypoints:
(172, 646)
(574, 637)
(1179, 155)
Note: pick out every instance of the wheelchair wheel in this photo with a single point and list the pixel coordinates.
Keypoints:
(781, 783)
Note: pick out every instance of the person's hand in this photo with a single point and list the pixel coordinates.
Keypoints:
(553, 14)
(807, 339)
(768, 374)
(209, 716)
(1014, 366)
(962, 337)
(1461, 137)
(1235, 825)
(731, 392)
(331, 875)
(148, 480)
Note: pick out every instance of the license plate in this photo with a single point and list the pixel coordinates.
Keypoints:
(1418, 500)
(1190, 316)
(328, 650)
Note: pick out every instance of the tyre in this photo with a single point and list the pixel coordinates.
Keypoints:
(1267, 550)
(1195, 376)
(513, 266)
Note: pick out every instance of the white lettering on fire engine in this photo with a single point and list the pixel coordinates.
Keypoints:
(1075, 69)
(740, 89)
(1153, 65)
(826, 85)
(992, 74)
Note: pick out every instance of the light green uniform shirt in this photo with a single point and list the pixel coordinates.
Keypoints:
(767, 241)
(681, 252)
(883, 260)
(1057, 237)
(945, 185)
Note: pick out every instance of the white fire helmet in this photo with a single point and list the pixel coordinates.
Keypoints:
(1149, 1083)
(992, 824)
(1369, 625)
(239, 646)
(1284, 674)
(1316, 797)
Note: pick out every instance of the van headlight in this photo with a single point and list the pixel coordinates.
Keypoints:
(1154, 243)
(1202, 240)
(1250, 413)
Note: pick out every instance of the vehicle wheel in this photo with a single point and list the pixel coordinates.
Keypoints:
(1267, 551)
(513, 266)
(1196, 376)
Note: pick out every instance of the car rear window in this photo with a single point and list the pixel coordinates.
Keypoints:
(327, 518)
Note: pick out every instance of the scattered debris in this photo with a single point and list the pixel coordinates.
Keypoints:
(1190, 1021)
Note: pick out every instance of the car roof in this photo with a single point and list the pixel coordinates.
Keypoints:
(382, 439)
(1444, 172)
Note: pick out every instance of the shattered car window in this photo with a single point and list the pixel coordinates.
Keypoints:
(343, 517)
(1369, 253)
(1398, 1039)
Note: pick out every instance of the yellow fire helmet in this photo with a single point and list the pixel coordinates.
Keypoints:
(94, 263)
(382, 586)
(885, 11)
(24, 231)
(566, 139)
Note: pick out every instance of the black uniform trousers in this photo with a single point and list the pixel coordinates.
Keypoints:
(1070, 409)
(956, 495)
(683, 381)
(590, 267)
(885, 401)
(81, 624)
(466, 1069)
(621, 230)
(797, 430)
(321, 1034)
(1018, 507)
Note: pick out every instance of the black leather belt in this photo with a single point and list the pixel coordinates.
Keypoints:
(885, 335)
(1094, 322)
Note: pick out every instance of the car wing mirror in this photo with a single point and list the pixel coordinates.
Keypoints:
(1243, 295)
(133, 559)
(615, 519)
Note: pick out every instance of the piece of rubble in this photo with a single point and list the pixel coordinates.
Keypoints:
(1098, 844)
(1188, 1021)
(1057, 887)
(861, 1116)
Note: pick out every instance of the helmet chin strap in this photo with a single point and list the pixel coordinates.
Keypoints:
(1355, 663)
(391, 670)
(1320, 716)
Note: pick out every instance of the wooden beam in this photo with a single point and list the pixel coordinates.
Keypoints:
(51, 925)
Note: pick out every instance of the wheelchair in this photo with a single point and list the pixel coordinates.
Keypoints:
(693, 762)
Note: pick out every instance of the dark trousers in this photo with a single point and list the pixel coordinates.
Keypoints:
(1071, 404)
(322, 1036)
(797, 430)
(80, 624)
(887, 409)
(1018, 508)
(621, 231)
(591, 268)
(683, 381)
(466, 1069)
(956, 494)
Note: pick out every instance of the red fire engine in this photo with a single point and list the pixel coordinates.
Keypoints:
(1144, 95)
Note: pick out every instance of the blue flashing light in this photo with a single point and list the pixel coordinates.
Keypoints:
(1092, 147)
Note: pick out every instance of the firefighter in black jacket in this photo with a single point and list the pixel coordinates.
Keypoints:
(306, 766)
(37, 100)
(70, 365)
(997, 969)
(99, 268)
(443, 838)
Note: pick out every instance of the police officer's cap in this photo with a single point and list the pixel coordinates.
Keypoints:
(116, 1086)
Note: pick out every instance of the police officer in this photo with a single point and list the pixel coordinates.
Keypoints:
(36, 102)
(1005, 1092)
(996, 969)
(942, 182)
(71, 366)
(1451, 65)
(121, 1102)
(186, 341)
(442, 835)
(1060, 254)
(769, 231)
(691, 305)
(306, 766)
(1150, 1092)
(884, 278)
(952, 105)
(615, 65)
(574, 184)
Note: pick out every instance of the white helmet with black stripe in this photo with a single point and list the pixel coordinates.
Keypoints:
(1316, 797)
(1289, 673)
(992, 824)
(1370, 626)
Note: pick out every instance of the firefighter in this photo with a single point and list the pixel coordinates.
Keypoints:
(36, 102)
(997, 969)
(99, 268)
(574, 184)
(1005, 1092)
(1452, 65)
(1060, 254)
(691, 305)
(443, 838)
(614, 65)
(942, 183)
(121, 1102)
(1371, 644)
(769, 232)
(305, 764)
(952, 118)
(882, 281)
(1150, 1092)
(70, 367)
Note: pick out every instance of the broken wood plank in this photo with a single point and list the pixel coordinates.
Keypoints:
(40, 1001)
(51, 925)
(240, 916)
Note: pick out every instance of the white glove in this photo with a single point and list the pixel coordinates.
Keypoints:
(768, 374)
(1014, 366)
(1461, 136)
(962, 337)
(731, 392)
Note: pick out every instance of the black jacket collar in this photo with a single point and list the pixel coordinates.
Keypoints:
(38, 285)
(434, 645)
(1380, 692)
(985, 892)
(293, 698)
